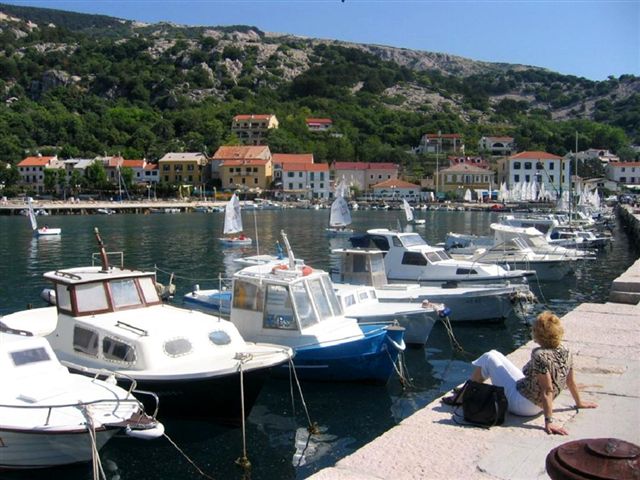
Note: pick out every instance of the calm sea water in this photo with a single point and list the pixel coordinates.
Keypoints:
(348, 415)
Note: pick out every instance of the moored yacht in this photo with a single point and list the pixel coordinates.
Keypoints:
(466, 302)
(112, 318)
(408, 257)
(50, 417)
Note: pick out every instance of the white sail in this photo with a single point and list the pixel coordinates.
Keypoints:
(407, 210)
(32, 216)
(232, 216)
(467, 195)
(340, 215)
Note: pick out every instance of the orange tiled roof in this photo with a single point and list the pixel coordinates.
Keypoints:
(500, 139)
(535, 155)
(35, 162)
(305, 167)
(151, 166)
(624, 164)
(239, 118)
(243, 161)
(364, 166)
(293, 158)
(442, 135)
(230, 152)
(133, 163)
(395, 183)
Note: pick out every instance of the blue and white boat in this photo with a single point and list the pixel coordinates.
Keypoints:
(296, 306)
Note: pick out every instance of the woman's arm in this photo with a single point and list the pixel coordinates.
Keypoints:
(546, 387)
(575, 393)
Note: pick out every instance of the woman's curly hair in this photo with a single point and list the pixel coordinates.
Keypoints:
(547, 330)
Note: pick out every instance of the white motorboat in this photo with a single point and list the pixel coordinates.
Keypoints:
(50, 417)
(512, 248)
(465, 303)
(295, 305)
(408, 212)
(42, 231)
(112, 318)
(233, 225)
(361, 302)
(408, 257)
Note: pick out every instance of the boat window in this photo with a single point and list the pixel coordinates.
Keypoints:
(85, 341)
(466, 271)
(113, 349)
(63, 297)
(359, 264)
(177, 347)
(278, 312)
(331, 295)
(33, 355)
(363, 295)
(372, 294)
(433, 257)
(412, 240)
(91, 297)
(220, 337)
(124, 293)
(413, 258)
(247, 296)
(380, 243)
(149, 291)
(444, 255)
(349, 300)
(397, 242)
(304, 306)
(320, 298)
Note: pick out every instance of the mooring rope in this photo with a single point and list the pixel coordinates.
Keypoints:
(186, 457)
(312, 427)
(446, 321)
(243, 461)
(98, 471)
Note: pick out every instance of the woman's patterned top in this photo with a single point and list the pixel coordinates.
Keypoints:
(557, 361)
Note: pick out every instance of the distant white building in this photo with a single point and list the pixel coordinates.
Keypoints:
(605, 156)
(31, 170)
(540, 167)
(626, 173)
(497, 145)
(308, 180)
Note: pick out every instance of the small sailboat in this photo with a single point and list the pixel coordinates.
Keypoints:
(408, 212)
(34, 224)
(340, 217)
(233, 225)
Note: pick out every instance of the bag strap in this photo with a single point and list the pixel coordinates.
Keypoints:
(458, 419)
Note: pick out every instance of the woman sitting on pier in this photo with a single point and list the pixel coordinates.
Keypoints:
(533, 390)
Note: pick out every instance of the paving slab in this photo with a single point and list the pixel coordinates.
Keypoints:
(605, 340)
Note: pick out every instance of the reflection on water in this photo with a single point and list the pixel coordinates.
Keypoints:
(348, 415)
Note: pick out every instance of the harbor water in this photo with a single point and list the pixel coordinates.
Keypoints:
(347, 415)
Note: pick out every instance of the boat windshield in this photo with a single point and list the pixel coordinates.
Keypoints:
(412, 240)
(377, 263)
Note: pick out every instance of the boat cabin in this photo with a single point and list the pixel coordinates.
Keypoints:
(94, 290)
(280, 303)
(360, 267)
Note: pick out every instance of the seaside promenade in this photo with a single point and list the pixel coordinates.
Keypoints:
(605, 341)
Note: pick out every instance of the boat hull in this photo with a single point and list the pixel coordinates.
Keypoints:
(27, 449)
(216, 398)
(417, 325)
(369, 359)
(235, 242)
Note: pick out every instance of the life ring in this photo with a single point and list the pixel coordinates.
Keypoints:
(280, 266)
(306, 270)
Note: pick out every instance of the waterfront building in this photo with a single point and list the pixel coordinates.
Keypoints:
(473, 161)
(281, 159)
(462, 176)
(184, 168)
(396, 189)
(31, 170)
(253, 129)
(500, 145)
(308, 180)
(363, 175)
(244, 167)
(601, 154)
(540, 167)
(625, 173)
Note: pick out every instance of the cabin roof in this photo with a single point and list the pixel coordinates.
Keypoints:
(78, 275)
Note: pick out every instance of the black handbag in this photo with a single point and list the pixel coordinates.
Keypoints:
(483, 404)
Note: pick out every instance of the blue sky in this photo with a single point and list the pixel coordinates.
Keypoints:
(592, 39)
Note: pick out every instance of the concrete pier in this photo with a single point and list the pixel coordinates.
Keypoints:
(605, 341)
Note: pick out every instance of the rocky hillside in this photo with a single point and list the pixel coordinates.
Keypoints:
(366, 89)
